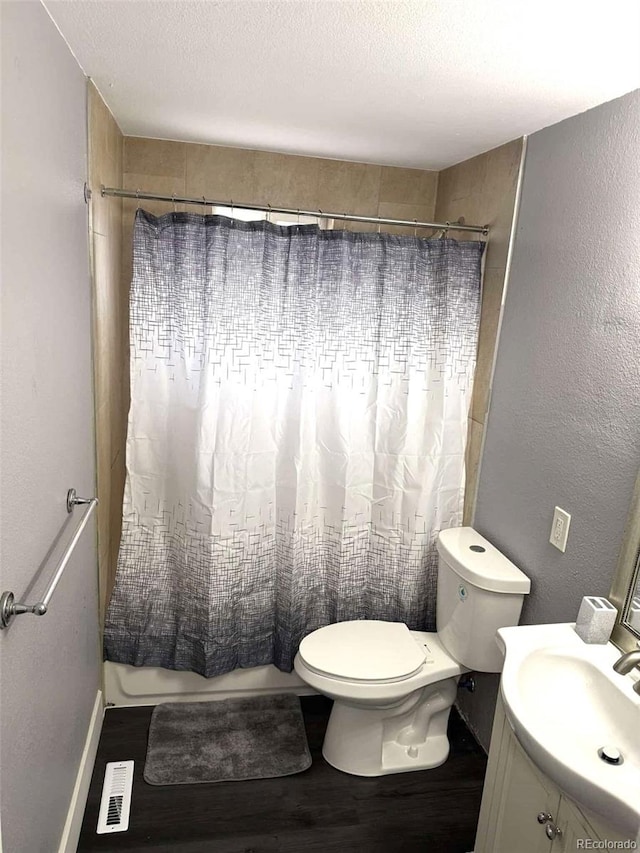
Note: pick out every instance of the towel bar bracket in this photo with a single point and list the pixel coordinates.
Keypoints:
(74, 500)
(9, 607)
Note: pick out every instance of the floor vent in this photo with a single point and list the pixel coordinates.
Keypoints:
(116, 797)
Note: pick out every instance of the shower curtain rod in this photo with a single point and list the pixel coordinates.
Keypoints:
(267, 208)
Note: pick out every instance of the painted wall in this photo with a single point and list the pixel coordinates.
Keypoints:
(564, 420)
(50, 665)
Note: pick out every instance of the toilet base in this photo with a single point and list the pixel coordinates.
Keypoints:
(368, 741)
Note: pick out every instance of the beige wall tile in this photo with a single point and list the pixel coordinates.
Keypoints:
(492, 290)
(462, 208)
(474, 448)
(154, 157)
(498, 197)
(286, 181)
(105, 322)
(116, 146)
(105, 158)
(419, 212)
(500, 176)
(104, 525)
(408, 186)
(116, 406)
(160, 184)
(99, 213)
(127, 262)
(462, 180)
(362, 227)
(115, 518)
(103, 447)
(103, 567)
(347, 187)
(114, 228)
(220, 173)
(448, 192)
(259, 177)
(104, 209)
(103, 450)
(105, 142)
(283, 180)
(483, 190)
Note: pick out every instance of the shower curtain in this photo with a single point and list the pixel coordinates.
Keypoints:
(296, 435)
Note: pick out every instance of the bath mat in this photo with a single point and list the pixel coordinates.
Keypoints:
(232, 739)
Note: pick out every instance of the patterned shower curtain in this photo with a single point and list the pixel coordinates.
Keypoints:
(296, 435)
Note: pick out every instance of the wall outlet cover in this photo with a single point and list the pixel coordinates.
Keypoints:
(560, 529)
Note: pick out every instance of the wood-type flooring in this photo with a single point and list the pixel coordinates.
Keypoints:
(319, 811)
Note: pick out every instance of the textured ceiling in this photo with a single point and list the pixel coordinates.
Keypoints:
(422, 83)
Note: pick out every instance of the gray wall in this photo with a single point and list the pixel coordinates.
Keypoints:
(564, 422)
(50, 665)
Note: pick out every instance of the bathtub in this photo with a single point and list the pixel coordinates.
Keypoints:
(126, 686)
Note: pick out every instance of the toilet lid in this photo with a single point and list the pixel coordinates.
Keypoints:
(364, 650)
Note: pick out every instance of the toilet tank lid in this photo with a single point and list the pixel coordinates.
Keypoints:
(480, 563)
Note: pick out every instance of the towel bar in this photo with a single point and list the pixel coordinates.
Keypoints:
(9, 607)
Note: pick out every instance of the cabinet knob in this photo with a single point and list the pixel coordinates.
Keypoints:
(552, 831)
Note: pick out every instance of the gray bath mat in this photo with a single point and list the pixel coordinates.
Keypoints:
(228, 740)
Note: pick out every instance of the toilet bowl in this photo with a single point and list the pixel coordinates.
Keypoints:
(393, 688)
(387, 724)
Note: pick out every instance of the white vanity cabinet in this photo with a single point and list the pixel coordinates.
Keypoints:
(523, 811)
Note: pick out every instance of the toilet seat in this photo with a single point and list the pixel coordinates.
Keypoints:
(369, 651)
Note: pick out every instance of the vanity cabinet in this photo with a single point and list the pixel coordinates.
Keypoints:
(524, 811)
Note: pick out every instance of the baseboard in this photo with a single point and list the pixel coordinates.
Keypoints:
(73, 823)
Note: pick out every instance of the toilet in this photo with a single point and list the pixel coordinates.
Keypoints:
(393, 688)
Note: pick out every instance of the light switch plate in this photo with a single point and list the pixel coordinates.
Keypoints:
(560, 529)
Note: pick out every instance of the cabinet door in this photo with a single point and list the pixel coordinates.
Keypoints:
(515, 792)
(526, 793)
(573, 828)
(577, 827)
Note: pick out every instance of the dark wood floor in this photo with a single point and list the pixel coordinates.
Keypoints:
(319, 811)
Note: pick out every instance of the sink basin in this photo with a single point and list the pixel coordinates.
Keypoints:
(564, 702)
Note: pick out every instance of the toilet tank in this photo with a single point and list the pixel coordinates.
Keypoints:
(479, 591)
